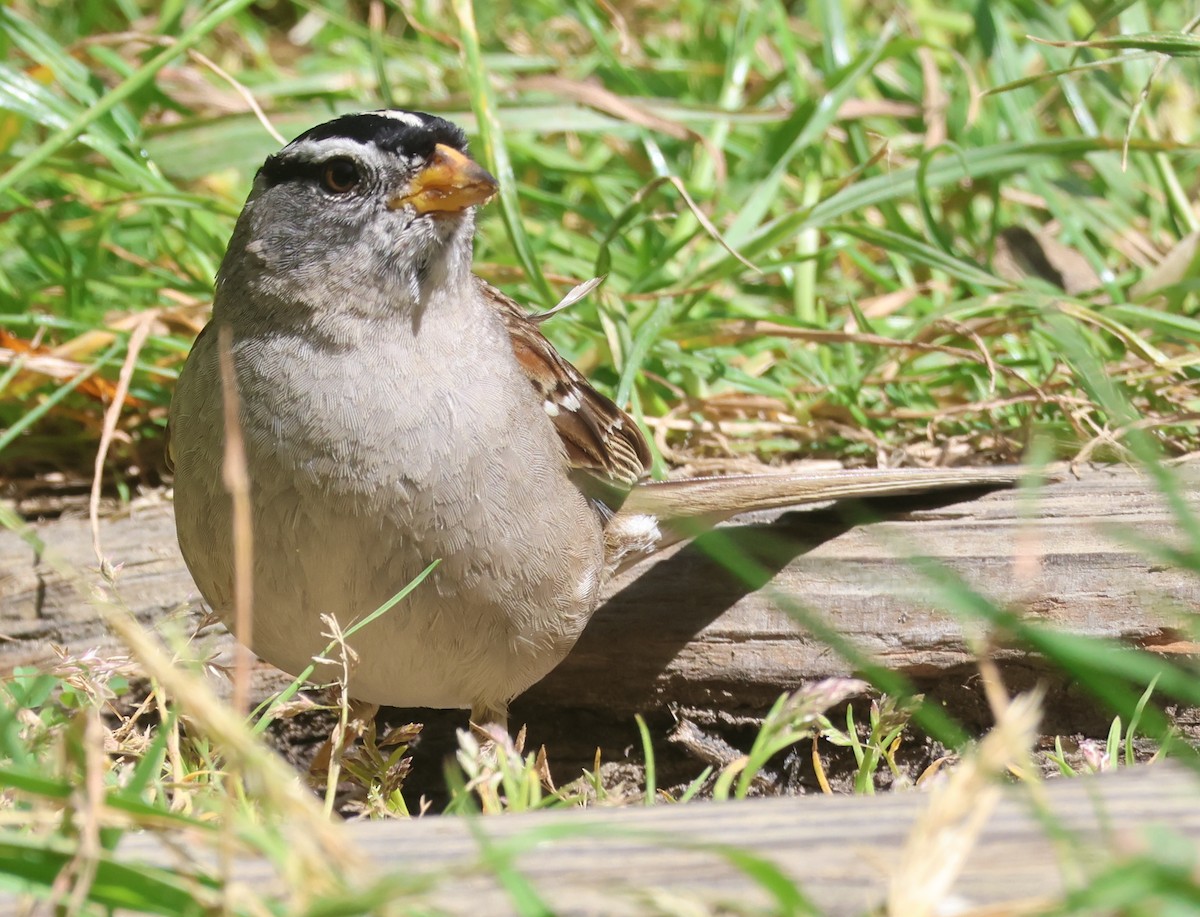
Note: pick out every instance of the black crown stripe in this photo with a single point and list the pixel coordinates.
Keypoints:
(391, 135)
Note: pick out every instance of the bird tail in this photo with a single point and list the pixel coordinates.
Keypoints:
(657, 514)
(729, 495)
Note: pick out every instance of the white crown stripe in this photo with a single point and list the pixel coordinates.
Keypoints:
(330, 147)
(412, 119)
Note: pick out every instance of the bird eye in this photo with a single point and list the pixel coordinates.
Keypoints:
(340, 175)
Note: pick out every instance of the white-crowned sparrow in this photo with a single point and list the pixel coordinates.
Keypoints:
(397, 410)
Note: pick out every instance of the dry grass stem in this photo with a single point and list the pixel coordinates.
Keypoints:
(140, 331)
(947, 830)
(205, 61)
(236, 477)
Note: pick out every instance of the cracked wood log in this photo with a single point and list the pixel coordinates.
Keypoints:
(687, 631)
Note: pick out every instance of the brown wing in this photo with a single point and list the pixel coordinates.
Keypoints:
(599, 437)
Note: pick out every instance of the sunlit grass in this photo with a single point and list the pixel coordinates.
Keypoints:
(854, 159)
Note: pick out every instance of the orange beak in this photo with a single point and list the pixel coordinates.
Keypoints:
(449, 183)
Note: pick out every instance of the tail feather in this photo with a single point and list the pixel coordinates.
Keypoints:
(657, 514)
(735, 494)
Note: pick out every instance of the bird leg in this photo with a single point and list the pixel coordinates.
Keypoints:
(360, 713)
(489, 720)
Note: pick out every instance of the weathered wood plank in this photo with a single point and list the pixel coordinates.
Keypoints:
(841, 851)
(697, 644)
(684, 630)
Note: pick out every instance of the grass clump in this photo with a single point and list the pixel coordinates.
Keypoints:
(920, 194)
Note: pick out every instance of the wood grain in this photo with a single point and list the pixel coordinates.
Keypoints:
(840, 851)
(691, 632)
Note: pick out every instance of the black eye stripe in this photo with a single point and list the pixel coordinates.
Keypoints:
(278, 169)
